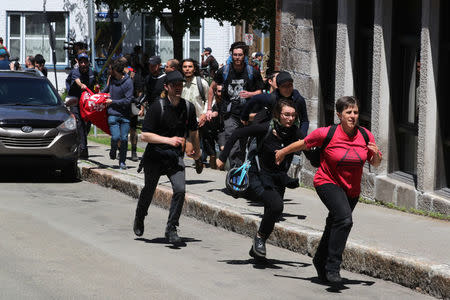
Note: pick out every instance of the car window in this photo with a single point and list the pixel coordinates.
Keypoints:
(26, 91)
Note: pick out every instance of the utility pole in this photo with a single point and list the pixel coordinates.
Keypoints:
(91, 19)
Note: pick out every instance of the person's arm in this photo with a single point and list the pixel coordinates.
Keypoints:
(194, 139)
(262, 100)
(210, 100)
(304, 121)
(294, 147)
(377, 157)
(254, 130)
(247, 94)
(153, 138)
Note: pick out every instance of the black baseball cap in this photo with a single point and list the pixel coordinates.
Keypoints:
(174, 76)
(208, 49)
(154, 60)
(283, 77)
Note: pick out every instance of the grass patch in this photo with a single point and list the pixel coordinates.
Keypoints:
(107, 141)
(99, 131)
(414, 211)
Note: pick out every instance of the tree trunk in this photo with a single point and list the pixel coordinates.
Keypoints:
(177, 39)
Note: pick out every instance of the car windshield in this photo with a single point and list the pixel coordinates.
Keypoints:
(27, 92)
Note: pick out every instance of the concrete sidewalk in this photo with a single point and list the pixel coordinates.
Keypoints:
(404, 248)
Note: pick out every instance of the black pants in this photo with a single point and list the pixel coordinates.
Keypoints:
(82, 128)
(273, 208)
(338, 225)
(153, 171)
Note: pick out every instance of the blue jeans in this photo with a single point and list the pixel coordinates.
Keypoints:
(119, 127)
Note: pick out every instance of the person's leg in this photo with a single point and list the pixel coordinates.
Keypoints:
(230, 126)
(178, 181)
(81, 130)
(151, 177)
(115, 135)
(124, 129)
(339, 223)
(133, 138)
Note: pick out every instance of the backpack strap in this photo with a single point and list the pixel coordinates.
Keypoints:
(226, 71)
(200, 88)
(261, 142)
(364, 134)
(161, 103)
(329, 136)
(249, 71)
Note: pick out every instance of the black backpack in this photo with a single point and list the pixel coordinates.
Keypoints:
(214, 65)
(313, 155)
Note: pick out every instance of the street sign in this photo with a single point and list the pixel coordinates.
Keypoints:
(248, 39)
(105, 15)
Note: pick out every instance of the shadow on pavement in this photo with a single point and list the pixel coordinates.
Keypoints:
(197, 181)
(265, 263)
(332, 288)
(33, 175)
(162, 240)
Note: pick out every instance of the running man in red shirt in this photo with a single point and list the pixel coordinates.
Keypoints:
(338, 181)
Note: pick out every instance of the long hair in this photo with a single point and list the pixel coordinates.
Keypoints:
(194, 62)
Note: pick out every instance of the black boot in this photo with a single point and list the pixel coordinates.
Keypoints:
(333, 277)
(320, 268)
(134, 156)
(138, 226)
(172, 235)
(259, 247)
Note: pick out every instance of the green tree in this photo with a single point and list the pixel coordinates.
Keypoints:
(187, 14)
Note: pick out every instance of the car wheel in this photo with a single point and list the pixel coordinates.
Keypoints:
(71, 172)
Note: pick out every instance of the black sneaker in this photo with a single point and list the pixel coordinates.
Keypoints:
(198, 166)
(84, 154)
(320, 268)
(112, 154)
(172, 235)
(138, 226)
(134, 156)
(259, 246)
(333, 277)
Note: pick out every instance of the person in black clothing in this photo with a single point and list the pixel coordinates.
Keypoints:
(285, 90)
(78, 80)
(40, 64)
(240, 82)
(166, 125)
(154, 82)
(269, 180)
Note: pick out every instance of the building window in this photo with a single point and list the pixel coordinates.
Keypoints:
(363, 59)
(157, 41)
(405, 68)
(443, 90)
(29, 35)
(327, 58)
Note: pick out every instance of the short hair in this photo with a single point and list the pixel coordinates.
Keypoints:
(118, 66)
(196, 67)
(173, 63)
(346, 102)
(31, 59)
(279, 107)
(239, 45)
(39, 59)
(123, 60)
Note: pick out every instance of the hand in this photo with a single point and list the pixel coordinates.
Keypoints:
(108, 102)
(83, 86)
(219, 164)
(195, 154)
(209, 115)
(251, 117)
(176, 141)
(373, 148)
(141, 111)
(245, 94)
(279, 156)
(244, 122)
(376, 154)
(202, 120)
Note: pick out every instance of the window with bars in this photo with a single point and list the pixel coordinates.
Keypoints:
(29, 35)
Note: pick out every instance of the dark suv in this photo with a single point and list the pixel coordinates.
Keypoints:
(36, 129)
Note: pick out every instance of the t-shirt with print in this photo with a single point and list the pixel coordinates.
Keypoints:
(233, 85)
(173, 122)
(342, 161)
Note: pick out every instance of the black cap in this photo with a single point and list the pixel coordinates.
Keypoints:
(174, 76)
(208, 49)
(154, 60)
(283, 77)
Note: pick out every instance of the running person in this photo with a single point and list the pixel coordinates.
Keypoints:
(166, 125)
(338, 180)
(269, 183)
(240, 83)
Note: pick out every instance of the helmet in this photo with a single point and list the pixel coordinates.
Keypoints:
(237, 180)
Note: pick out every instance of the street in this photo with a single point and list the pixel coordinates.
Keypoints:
(75, 240)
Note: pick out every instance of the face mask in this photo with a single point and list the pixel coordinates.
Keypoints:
(283, 132)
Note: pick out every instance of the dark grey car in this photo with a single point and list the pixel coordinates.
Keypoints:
(36, 129)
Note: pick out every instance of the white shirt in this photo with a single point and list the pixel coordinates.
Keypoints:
(192, 94)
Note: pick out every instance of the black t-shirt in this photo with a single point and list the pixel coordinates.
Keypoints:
(154, 86)
(234, 84)
(87, 78)
(172, 122)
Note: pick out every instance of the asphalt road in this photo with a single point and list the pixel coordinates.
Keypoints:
(74, 240)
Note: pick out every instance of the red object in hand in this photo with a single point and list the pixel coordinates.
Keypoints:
(93, 109)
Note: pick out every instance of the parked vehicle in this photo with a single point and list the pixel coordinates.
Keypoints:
(36, 129)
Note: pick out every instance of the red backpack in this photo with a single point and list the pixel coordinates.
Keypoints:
(93, 109)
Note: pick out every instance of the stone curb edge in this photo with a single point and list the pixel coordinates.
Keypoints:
(411, 272)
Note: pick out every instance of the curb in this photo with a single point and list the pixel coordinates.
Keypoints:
(409, 271)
